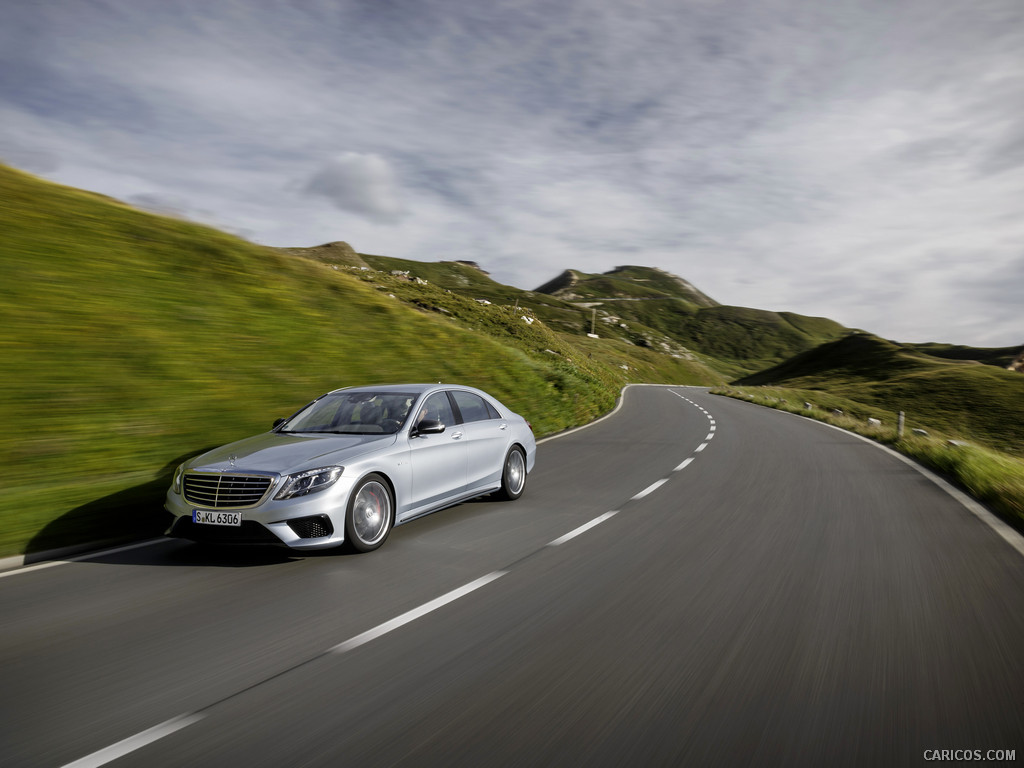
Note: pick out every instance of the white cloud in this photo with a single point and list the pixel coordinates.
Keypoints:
(363, 184)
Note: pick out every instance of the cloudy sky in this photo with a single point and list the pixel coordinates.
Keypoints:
(861, 160)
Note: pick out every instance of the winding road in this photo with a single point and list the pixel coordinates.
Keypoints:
(693, 580)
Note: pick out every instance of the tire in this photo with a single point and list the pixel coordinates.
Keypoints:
(370, 514)
(513, 474)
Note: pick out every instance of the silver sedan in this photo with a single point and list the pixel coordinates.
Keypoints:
(351, 465)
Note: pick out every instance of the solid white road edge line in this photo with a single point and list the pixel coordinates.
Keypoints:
(415, 613)
(132, 743)
(80, 558)
(582, 529)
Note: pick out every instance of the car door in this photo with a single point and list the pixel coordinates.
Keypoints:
(488, 438)
(438, 461)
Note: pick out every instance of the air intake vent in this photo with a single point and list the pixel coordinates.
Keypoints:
(312, 527)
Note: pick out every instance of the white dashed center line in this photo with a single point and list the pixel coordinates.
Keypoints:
(139, 740)
(582, 529)
(650, 489)
(415, 613)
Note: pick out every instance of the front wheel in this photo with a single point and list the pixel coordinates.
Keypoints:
(513, 476)
(370, 514)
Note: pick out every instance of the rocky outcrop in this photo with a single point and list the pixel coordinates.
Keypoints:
(338, 252)
(1017, 364)
(472, 264)
(561, 286)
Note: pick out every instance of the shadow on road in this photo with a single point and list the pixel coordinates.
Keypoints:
(178, 552)
(137, 513)
(132, 514)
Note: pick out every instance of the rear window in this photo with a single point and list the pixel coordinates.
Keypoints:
(473, 407)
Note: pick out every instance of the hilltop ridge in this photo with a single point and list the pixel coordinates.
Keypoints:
(626, 282)
(652, 301)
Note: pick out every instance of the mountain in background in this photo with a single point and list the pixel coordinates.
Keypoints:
(642, 306)
(1010, 358)
(740, 339)
(961, 390)
(649, 307)
(625, 283)
(738, 334)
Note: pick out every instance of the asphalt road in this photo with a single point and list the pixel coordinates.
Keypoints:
(768, 591)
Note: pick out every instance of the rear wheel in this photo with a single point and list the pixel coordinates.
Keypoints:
(513, 476)
(370, 514)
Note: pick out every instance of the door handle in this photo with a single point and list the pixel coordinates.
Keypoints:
(456, 435)
(503, 426)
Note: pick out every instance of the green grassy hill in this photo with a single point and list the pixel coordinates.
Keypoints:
(1001, 357)
(749, 339)
(463, 278)
(960, 397)
(132, 341)
(571, 320)
(735, 340)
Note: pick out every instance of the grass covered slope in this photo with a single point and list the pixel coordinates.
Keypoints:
(735, 340)
(133, 341)
(747, 339)
(532, 322)
(960, 397)
(459, 290)
(1001, 357)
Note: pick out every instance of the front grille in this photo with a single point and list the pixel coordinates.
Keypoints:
(312, 527)
(217, 491)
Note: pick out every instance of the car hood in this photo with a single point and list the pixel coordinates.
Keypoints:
(285, 453)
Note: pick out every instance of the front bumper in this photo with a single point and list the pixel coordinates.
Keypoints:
(316, 521)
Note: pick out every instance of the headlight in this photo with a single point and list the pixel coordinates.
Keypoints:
(311, 481)
(176, 485)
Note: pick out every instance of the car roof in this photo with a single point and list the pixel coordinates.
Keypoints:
(412, 389)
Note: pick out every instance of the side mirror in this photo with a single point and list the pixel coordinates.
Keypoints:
(428, 427)
(279, 422)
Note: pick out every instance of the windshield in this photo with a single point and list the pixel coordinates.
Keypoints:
(354, 413)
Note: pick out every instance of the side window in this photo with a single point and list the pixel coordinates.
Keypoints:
(473, 407)
(437, 407)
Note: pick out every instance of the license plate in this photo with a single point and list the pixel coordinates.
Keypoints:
(212, 517)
